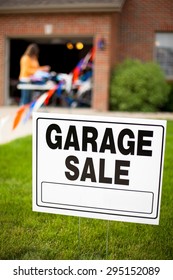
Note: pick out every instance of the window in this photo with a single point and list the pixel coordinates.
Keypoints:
(164, 53)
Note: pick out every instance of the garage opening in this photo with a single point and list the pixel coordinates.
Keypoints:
(62, 54)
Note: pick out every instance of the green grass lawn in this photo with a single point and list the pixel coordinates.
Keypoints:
(29, 235)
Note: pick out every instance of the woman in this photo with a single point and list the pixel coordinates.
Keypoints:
(29, 64)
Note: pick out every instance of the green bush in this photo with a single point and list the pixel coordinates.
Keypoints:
(169, 104)
(137, 86)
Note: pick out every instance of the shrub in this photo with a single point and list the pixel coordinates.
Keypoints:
(137, 86)
(169, 104)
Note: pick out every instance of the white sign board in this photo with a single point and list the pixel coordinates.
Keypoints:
(98, 167)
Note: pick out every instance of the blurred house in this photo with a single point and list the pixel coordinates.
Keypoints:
(118, 29)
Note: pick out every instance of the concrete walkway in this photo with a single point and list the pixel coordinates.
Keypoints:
(7, 115)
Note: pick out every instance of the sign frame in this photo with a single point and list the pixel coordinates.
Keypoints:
(42, 190)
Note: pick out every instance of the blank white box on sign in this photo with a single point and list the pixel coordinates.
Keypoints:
(65, 195)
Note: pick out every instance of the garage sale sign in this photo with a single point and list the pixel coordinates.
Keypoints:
(98, 167)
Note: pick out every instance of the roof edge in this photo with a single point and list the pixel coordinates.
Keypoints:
(63, 8)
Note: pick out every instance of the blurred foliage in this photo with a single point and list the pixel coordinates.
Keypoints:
(137, 86)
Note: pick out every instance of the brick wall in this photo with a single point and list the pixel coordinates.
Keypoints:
(130, 33)
(95, 25)
(140, 20)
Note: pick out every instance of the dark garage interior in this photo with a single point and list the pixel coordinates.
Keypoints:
(53, 52)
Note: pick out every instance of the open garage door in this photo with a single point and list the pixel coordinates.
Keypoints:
(62, 54)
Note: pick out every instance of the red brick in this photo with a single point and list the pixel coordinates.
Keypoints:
(130, 33)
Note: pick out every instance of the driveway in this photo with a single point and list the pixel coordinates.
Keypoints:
(7, 115)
